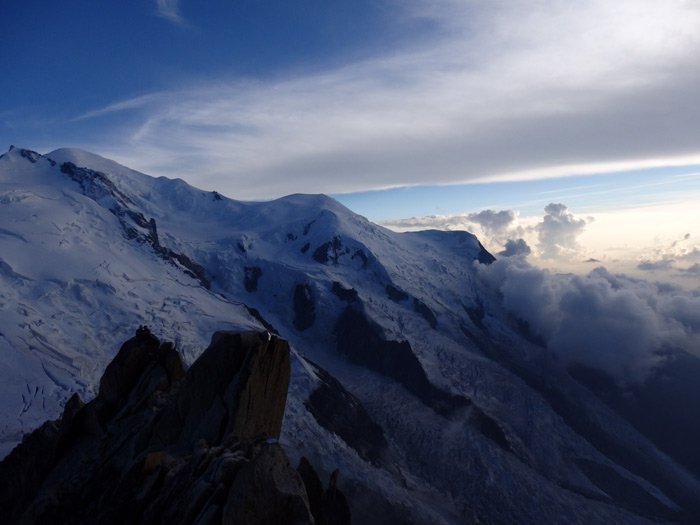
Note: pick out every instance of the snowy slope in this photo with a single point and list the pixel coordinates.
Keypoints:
(409, 375)
(72, 286)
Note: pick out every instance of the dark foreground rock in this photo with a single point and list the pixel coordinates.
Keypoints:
(158, 445)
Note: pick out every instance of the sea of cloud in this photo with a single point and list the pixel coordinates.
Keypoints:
(585, 313)
(617, 323)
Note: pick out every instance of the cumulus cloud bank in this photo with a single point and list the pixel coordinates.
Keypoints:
(681, 256)
(612, 322)
(515, 248)
(556, 233)
(502, 89)
(494, 223)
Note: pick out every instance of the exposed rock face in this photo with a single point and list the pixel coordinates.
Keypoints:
(344, 294)
(329, 252)
(267, 491)
(329, 506)
(250, 278)
(97, 186)
(339, 411)
(304, 307)
(421, 308)
(161, 446)
(237, 387)
(362, 341)
(395, 294)
(135, 357)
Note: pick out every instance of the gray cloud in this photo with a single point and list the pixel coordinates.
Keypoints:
(673, 257)
(501, 90)
(515, 248)
(693, 270)
(685, 238)
(663, 264)
(494, 223)
(558, 231)
(429, 222)
(494, 228)
(612, 322)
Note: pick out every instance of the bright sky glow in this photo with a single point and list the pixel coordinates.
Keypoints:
(400, 109)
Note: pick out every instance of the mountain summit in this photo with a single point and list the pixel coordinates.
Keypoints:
(408, 373)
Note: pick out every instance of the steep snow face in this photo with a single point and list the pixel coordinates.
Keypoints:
(407, 374)
(72, 284)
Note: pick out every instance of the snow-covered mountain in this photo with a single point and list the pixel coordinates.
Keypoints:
(409, 374)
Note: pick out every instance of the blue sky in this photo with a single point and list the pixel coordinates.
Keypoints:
(399, 109)
(588, 194)
(68, 58)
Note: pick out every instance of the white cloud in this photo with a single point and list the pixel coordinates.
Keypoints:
(431, 222)
(681, 255)
(170, 10)
(612, 322)
(134, 103)
(650, 241)
(494, 223)
(558, 232)
(503, 89)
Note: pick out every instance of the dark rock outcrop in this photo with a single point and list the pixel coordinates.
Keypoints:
(395, 294)
(344, 294)
(484, 257)
(237, 388)
(267, 490)
(98, 187)
(250, 277)
(304, 307)
(259, 317)
(363, 342)
(421, 308)
(490, 428)
(158, 445)
(625, 492)
(476, 314)
(337, 410)
(31, 156)
(329, 252)
(329, 507)
(138, 355)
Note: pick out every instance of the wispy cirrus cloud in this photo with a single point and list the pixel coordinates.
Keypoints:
(499, 90)
(170, 10)
(117, 107)
(558, 232)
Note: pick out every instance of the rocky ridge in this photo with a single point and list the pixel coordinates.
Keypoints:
(161, 445)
